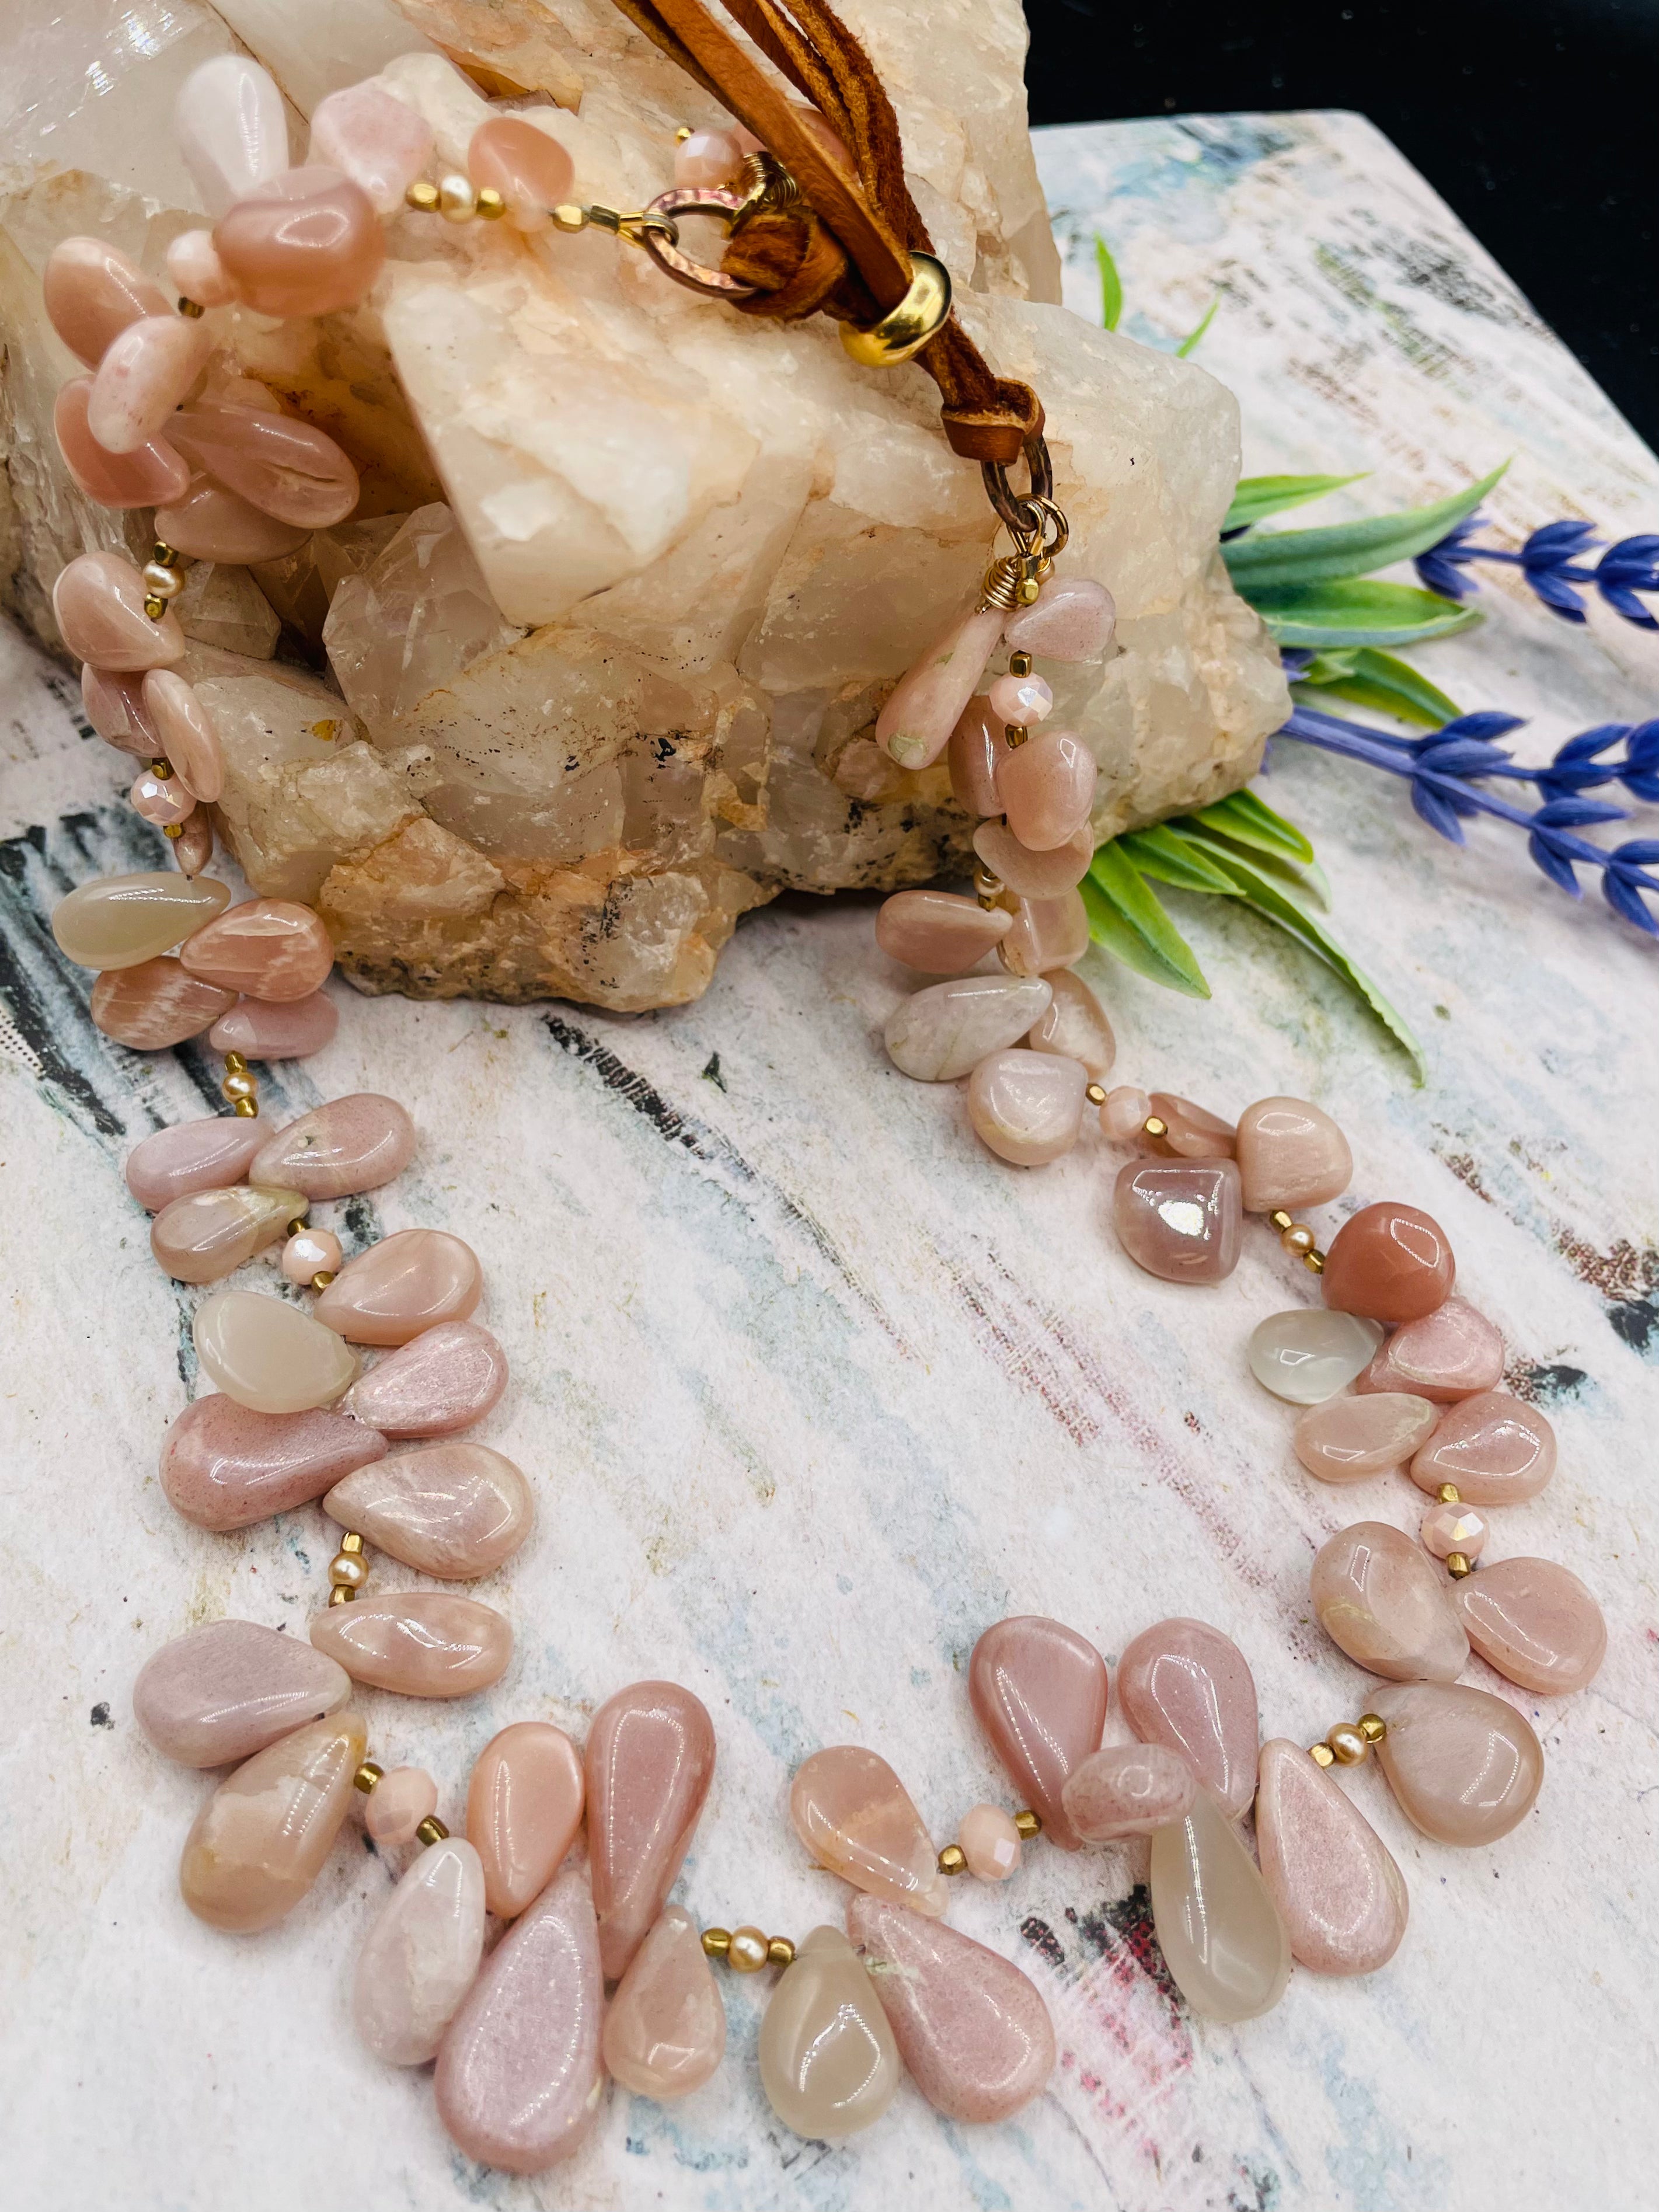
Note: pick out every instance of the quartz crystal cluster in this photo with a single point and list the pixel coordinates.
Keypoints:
(594, 663)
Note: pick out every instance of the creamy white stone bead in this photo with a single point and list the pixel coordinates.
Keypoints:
(269, 1356)
(1027, 1106)
(940, 1033)
(1218, 1926)
(1308, 1354)
(231, 130)
(421, 1957)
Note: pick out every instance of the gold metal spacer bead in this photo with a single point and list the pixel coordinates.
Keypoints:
(1016, 734)
(1281, 1220)
(1322, 1755)
(154, 608)
(1348, 1745)
(919, 316)
(235, 1063)
(1019, 663)
(1314, 1262)
(1372, 1726)
(422, 197)
(238, 1086)
(322, 1278)
(716, 1941)
(1096, 1094)
(987, 888)
(1450, 1494)
(351, 1542)
(1458, 1564)
(683, 134)
(162, 770)
(746, 1952)
(165, 555)
(348, 1571)
(780, 1952)
(953, 1859)
(172, 829)
(431, 1830)
(491, 206)
(569, 218)
(367, 1775)
(192, 309)
(246, 1110)
(341, 1596)
(1029, 1824)
(1027, 591)
(1154, 1126)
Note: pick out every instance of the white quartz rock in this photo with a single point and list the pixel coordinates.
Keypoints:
(223, 606)
(231, 130)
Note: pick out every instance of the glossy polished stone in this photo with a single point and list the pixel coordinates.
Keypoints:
(271, 949)
(1047, 875)
(1383, 1602)
(529, 169)
(349, 1144)
(209, 1234)
(115, 707)
(990, 1843)
(941, 1032)
(1497, 1448)
(1075, 1026)
(420, 1956)
(453, 1509)
(1190, 1131)
(971, 756)
(154, 1004)
(856, 1817)
(1047, 786)
(1020, 701)
(1184, 1684)
(192, 850)
(1291, 1153)
(1535, 1622)
(305, 243)
(973, 2034)
(1223, 1941)
(231, 128)
(194, 268)
(1338, 1892)
(1049, 935)
(523, 1808)
(1308, 1354)
(422, 1644)
(149, 475)
(1027, 1106)
(211, 524)
(927, 702)
(190, 743)
(224, 1692)
(1390, 1262)
(207, 1155)
(99, 601)
(380, 142)
(938, 932)
(1466, 1766)
(287, 469)
(829, 2062)
(664, 2029)
(1038, 1690)
(1124, 1112)
(1129, 1789)
(445, 1379)
(145, 373)
(519, 2080)
(1451, 1353)
(225, 1466)
(91, 291)
(1180, 1220)
(261, 1031)
(116, 921)
(259, 1842)
(648, 1763)
(395, 1807)
(307, 1253)
(1346, 1439)
(410, 1281)
(1072, 619)
(267, 1355)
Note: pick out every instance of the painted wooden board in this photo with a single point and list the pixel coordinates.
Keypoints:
(812, 1390)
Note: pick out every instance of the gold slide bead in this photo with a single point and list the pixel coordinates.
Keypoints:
(1096, 1094)
(166, 555)
(491, 206)
(163, 771)
(1314, 1262)
(431, 1830)
(192, 310)
(953, 1859)
(569, 218)
(780, 1952)
(1154, 1126)
(322, 1278)
(1348, 1744)
(1019, 663)
(746, 1952)
(1015, 734)
(1458, 1564)
(367, 1775)
(351, 1542)
(235, 1064)
(1029, 1824)
(1281, 1220)
(1372, 1726)
(716, 1941)
(1322, 1755)
(422, 197)
(246, 1108)
(683, 134)
(919, 316)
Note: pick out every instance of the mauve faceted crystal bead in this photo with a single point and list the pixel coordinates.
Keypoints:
(1075, 1026)
(1038, 1690)
(259, 1842)
(211, 524)
(1309, 1354)
(1072, 619)
(973, 2034)
(1129, 1789)
(648, 1763)
(420, 1956)
(443, 1380)
(378, 141)
(1290, 1154)
(1048, 935)
(1123, 1113)
(1031, 875)
(524, 1806)
(855, 1817)
(91, 291)
(422, 1644)
(259, 1031)
(396, 1805)
(1047, 786)
(1497, 1448)
(157, 1004)
(1465, 1765)
(231, 128)
(976, 745)
(267, 1355)
(287, 469)
(1227, 1949)
(519, 2080)
(208, 1155)
(115, 707)
(305, 243)
(1181, 1220)
(990, 1843)
(915, 724)
(194, 267)
(266, 948)
(188, 739)
(149, 475)
(1027, 1106)
(1449, 1354)
(309, 1253)
(1534, 1622)
(1390, 1262)
(941, 1032)
(664, 2029)
(142, 377)
(99, 601)
(161, 801)
(117, 921)
(1383, 1602)
(226, 1467)
(349, 1144)
(529, 169)
(1338, 1892)
(1348, 1438)
(1184, 1684)
(828, 2063)
(226, 1691)
(938, 932)
(1020, 699)
(209, 1234)
(455, 1510)
(408, 1282)
(1190, 1132)
(705, 158)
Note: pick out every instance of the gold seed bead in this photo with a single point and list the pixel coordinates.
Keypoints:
(1314, 1262)
(491, 206)
(172, 829)
(1372, 1726)
(1029, 1824)
(1154, 1126)
(569, 218)
(682, 134)
(236, 1064)
(457, 201)
(1322, 1755)
(1016, 733)
(716, 1941)
(154, 608)
(162, 770)
(1019, 663)
(237, 1086)
(322, 1278)
(367, 1775)
(351, 1542)
(746, 1952)
(422, 197)
(192, 309)
(1458, 1564)
(341, 1596)
(953, 1859)
(1348, 1744)
(160, 581)
(1027, 590)
(431, 1830)
(348, 1571)
(1281, 1220)
(246, 1110)
(780, 1952)
(1096, 1094)
(161, 552)
(1298, 1240)
(1450, 1494)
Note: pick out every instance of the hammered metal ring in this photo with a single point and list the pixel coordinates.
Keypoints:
(1025, 517)
(713, 284)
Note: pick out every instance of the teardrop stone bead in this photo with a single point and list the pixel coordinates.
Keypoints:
(115, 705)
(973, 2032)
(1290, 1154)
(1535, 1622)
(91, 291)
(210, 1234)
(156, 1005)
(1180, 1220)
(259, 1842)
(211, 524)
(1047, 786)
(191, 1156)
(145, 373)
(1346, 1439)
(1338, 1892)
(226, 1467)
(307, 242)
(938, 932)
(267, 1355)
(231, 128)
(151, 475)
(972, 754)
(1191, 1132)
(420, 1956)
(287, 469)
(1380, 1599)
(408, 1282)
(1497, 1448)
(1465, 1765)
(926, 703)
(268, 948)
(524, 1806)
(376, 140)
(856, 1817)
(455, 1510)
(1186, 1685)
(665, 2030)
(1046, 875)
(1451, 1353)
(226, 1691)
(99, 601)
(421, 1642)
(519, 2080)
(349, 1144)
(116, 921)
(829, 2062)
(1048, 935)
(445, 1379)
(1129, 1789)
(941, 1032)
(1226, 1946)
(648, 1763)
(1390, 1262)
(1027, 1106)
(1038, 1690)
(190, 741)
(260, 1031)
(1309, 1354)
(1075, 1026)
(1072, 619)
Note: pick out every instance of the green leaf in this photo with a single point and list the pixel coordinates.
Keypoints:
(1371, 678)
(1357, 613)
(1162, 852)
(1257, 497)
(1191, 340)
(1274, 559)
(1111, 286)
(1251, 821)
(1125, 917)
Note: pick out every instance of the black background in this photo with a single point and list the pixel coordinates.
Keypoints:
(1538, 120)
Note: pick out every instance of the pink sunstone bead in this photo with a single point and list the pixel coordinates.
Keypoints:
(1031, 875)
(1071, 620)
(443, 1380)
(271, 949)
(938, 932)
(154, 1004)
(1187, 1686)
(231, 128)
(1021, 699)
(974, 746)
(1038, 1690)
(1047, 933)
(92, 292)
(99, 601)
(193, 265)
(856, 1817)
(1075, 1026)
(144, 375)
(191, 1156)
(306, 243)
(262, 1032)
(1027, 1106)
(373, 139)
(285, 468)
(189, 739)
(115, 707)
(647, 1764)
(347, 1145)
(1338, 1892)
(1047, 787)
(529, 169)
(1445, 1529)
(706, 159)
(916, 723)
(211, 524)
(402, 1798)
(990, 1843)
(192, 850)
(224, 1466)
(149, 475)
(158, 801)
(1453, 1353)
(1129, 1789)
